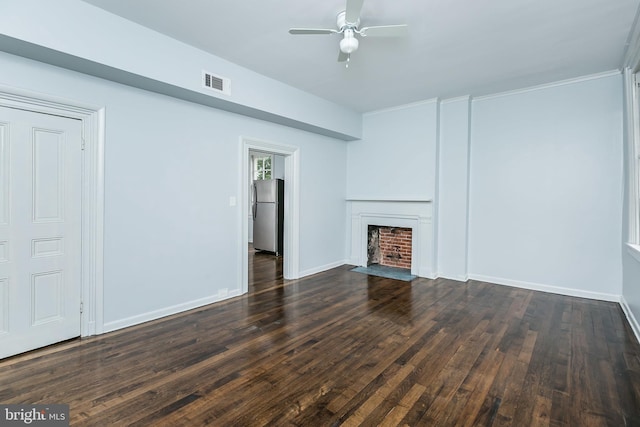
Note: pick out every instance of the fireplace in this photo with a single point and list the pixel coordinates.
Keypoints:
(410, 216)
(389, 246)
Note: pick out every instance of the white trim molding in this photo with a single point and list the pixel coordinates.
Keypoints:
(223, 294)
(435, 207)
(322, 268)
(291, 258)
(92, 222)
(548, 85)
(457, 278)
(397, 199)
(401, 107)
(632, 132)
(546, 288)
(634, 251)
(633, 322)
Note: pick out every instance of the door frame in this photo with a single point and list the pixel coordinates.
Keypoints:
(92, 222)
(291, 259)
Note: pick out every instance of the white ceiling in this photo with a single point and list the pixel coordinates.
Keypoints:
(454, 47)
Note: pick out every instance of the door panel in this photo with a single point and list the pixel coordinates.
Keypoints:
(4, 173)
(266, 191)
(4, 306)
(40, 213)
(48, 176)
(264, 227)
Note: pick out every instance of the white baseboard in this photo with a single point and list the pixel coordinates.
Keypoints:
(225, 294)
(635, 326)
(322, 268)
(547, 288)
(168, 311)
(456, 277)
(427, 273)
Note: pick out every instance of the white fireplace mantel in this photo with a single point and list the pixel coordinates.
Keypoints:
(408, 199)
(414, 214)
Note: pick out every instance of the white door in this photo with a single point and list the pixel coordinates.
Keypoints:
(40, 213)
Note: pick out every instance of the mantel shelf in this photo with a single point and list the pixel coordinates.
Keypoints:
(389, 199)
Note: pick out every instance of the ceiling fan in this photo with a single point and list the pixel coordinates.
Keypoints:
(348, 24)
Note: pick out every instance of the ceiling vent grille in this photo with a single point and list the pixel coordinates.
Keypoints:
(216, 83)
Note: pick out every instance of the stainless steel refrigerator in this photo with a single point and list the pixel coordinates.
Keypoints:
(268, 215)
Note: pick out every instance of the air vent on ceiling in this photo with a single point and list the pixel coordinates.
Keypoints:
(216, 83)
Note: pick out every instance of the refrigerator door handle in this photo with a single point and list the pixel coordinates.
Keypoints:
(255, 200)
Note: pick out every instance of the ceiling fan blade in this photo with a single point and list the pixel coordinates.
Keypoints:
(311, 31)
(385, 31)
(342, 57)
(353, 11)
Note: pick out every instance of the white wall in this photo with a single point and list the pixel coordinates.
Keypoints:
(73, 34)
(171, 238)
(396, 157)
(278, 166)
(546, 188)
(395, 161)
(453, 183)
(542, 170)
(323, 207)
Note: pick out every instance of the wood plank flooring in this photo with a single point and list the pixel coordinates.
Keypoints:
(343, 348)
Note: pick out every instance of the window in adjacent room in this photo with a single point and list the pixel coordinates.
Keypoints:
(262, 167)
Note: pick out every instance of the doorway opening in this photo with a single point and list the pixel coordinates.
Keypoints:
(266, 202)
(290, 173)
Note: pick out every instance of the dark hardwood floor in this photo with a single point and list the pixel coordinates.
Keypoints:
(343, 348)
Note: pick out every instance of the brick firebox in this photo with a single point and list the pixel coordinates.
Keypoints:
(389, 246)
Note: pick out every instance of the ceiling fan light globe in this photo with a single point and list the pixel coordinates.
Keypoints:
(349, 44)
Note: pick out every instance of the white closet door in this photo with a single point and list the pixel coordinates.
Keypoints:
(40, 214)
